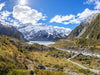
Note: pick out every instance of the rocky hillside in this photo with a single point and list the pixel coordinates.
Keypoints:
(43, 32)
(87, 28)
(11, 31)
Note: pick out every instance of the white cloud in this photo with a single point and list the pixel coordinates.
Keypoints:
(84, 14)
(73, 19)
(22, 2)
(5, 18)
(4, 15)
(21, 14)
(90, 1)
(1, 6)
(13, 22)
(94, 2)
(27, 15)
(97, 5)
(61, 19)
(87, 12)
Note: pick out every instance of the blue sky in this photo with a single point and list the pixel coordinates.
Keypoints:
(61, 13)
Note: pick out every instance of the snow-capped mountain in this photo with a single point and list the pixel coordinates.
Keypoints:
(43, 32)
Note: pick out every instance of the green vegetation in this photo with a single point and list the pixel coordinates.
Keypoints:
(77, 44)
(14, 55)
(88, 61)
(46, 72)
(64, 43)
(18, 72)
(93, 31)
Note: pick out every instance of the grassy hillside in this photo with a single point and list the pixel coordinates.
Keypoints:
(14, 56)
(88, 61)
(93, 31)
(87, 30)
(64, 43)
(79, 30)
(77, 44)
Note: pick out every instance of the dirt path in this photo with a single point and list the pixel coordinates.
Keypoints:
(92, 70)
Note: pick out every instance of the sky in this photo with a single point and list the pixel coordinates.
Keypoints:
(61, 13)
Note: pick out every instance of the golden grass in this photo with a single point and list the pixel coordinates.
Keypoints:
(98, 47)
(93, 64)
(51, 62)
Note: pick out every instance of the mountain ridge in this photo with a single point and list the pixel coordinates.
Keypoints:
(82, 28)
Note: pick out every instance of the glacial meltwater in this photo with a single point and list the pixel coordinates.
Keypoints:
(46, 43)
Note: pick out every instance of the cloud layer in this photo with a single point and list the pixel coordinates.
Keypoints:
(94, 2)
(60, 19)
(73, 19)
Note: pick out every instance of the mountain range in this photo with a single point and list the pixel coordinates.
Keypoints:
(90, 28)
(43, 32)
(29, 32)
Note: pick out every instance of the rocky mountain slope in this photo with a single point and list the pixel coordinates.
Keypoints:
(86, 28)
(43, 32)
(11, 31)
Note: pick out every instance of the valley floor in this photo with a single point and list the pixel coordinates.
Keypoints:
(94, 67)
(19, 58)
